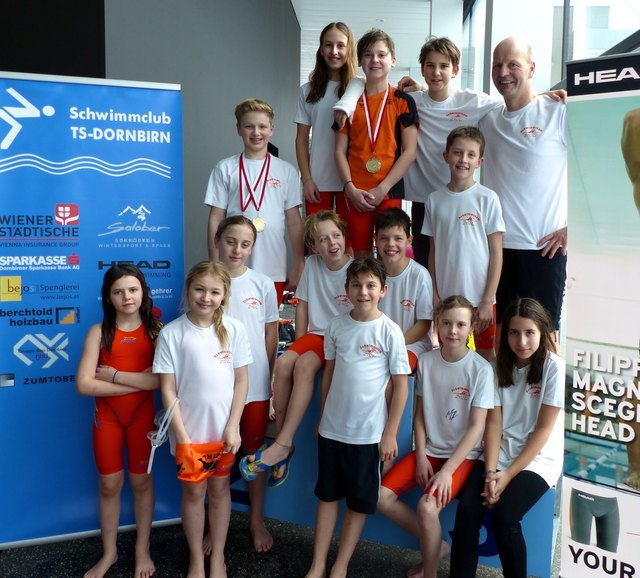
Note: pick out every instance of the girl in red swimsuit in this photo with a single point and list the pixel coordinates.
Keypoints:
(115, 368)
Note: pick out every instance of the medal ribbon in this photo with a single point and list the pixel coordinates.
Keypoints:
(373, 138)
(263, 176)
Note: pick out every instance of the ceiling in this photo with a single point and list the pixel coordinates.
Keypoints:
(406, 21)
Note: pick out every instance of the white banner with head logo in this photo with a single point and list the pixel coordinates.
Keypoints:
(601, 491)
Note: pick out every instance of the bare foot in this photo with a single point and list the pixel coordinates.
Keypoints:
(145, 568)
(218, 569)
(315, 573)
(102, 567)
(417, 571)
(196, 568)
(206, 545)
(262, 539)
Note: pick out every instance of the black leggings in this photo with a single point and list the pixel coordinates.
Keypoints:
(518, 498)
(584, 508)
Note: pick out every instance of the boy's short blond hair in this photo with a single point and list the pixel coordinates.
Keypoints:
(254, 105)
(442, 45)
(312, 221)
(374, 35)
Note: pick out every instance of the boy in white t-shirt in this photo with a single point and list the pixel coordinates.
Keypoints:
(363, 350)
(465, 226)
(409, 298)
(321, 296)
(263, 188)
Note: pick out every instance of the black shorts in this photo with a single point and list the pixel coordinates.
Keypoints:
(349, 471)
(526, 273)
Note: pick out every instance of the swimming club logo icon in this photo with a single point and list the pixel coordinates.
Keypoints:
(531, 131)
(460, 392)
(342, 300)
(11, 114)
(252, 302)
(224, 357)
(407, 304)
(469, 219)
(533, 390)
(370, 350)
(457, 116)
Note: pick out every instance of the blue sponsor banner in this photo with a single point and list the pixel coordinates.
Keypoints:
(90, 174)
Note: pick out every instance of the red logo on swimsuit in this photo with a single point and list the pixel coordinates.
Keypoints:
(531, 131)
(273, 182)
(407, 304)
(342, 300)
(460, 392)
(469, 219)
(369, 350)
(224, 356)
(457, 116)
(128, 340)
(252, 303)
(533, 391)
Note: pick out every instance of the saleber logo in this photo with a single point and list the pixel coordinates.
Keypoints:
(39, 347)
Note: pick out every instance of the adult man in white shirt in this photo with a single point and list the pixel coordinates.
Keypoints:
(525, 163)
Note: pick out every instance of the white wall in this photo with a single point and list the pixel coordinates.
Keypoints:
(221, 53)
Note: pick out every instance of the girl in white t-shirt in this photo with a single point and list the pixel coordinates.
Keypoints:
(335, 67)
(253, 301)
(455, 390)
(202, 359)
(523, 442)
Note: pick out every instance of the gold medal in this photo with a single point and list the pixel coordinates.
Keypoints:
(259, 224)
(373, 165)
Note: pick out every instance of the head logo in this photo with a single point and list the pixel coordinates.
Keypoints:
(11, 288)
(39, 347)
(67, 214)
(11, 114)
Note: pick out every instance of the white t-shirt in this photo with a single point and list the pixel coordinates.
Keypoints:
(204, 372)
(437, 119)
(253, 301)
(269, 255)
(520, 408)
(324, 291)
(449, 390)
(366, 355)
(319, 116)
(409, 298)
(460, 224)
(525, 163)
